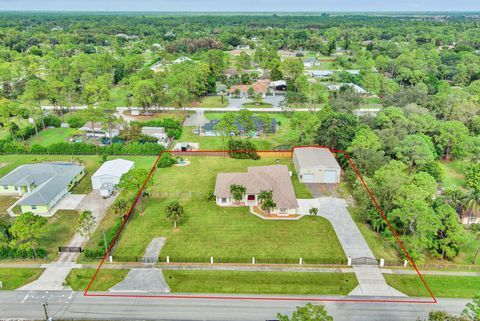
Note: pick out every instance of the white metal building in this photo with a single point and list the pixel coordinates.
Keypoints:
(316, 165)
(110, 172)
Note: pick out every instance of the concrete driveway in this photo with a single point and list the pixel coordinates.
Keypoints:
(196, 119)
(370, 278)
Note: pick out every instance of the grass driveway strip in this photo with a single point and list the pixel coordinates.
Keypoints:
(13, 278)
(441, 286)
(78, 279)
(260, 282)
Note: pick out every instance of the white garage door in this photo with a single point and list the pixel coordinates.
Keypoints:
(330, 177)
(307, 178)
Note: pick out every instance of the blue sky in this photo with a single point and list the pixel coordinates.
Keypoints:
(241, 5)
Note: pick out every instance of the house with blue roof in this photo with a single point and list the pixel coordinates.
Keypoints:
(41, 186)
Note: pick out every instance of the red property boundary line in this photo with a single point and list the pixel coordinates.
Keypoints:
(220, 297)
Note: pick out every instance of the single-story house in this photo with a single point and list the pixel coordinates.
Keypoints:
(210, 129)
(279, 85)
(316, 165)
(99, 129)
(157, 132)
(329, 73)
(186, 146)
(290, 54)
(181, 59)
(310, 63)
(41, 185)
(470, 218)
(110, 172)
(259, 87)
(359, 90)
(274, 178)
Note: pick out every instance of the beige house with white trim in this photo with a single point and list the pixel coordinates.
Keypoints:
(316, 165)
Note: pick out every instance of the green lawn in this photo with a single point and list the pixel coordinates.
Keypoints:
(260, 282)
(210, 230)
(59, 230)
(13, 278)
(5, 203)
(212, 102)
(282, 137)
(453, 175)
(51, 136)
(254, 105)
(78, 279)
(441, 286)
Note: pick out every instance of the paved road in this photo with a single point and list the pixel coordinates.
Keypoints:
(66, 305)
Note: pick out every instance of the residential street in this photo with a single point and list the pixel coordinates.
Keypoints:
(66, 304)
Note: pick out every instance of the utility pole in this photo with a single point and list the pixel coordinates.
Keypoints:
(45, 305)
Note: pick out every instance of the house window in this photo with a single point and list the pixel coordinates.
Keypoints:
(283, 210)
(5, 186)
(34, 207)
(224, 200)
(251, 197)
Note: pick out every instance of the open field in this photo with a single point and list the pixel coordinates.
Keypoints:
(78, 279)
(453, 175)
(260, 282)
(50, 136)
(13, 278)
(441, 286)
(209, 230)
(177, 115)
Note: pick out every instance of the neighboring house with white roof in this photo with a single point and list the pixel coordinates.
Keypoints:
(359, 90)
(273, 178)
(98, 129)
(110, 172)
(329, 73)
(157, 132)
(41, 185)
(181, 59)
(310, 63)
(316, 165)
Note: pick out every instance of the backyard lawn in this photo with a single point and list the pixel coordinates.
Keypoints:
(441, 286)
(50, 136)
(260, 282)
(13, 278)
(78, 279)
(453, 175)
(229, 232)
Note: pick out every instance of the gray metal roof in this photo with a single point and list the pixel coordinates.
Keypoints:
(315, 157)
(48, 178)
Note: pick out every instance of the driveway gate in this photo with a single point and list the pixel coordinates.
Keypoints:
(364, 261)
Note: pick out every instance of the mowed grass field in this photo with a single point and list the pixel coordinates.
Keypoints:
(79, 279)
(50, 136)
(13, 278)
(228, 232)
(441, 286)
(260, 282)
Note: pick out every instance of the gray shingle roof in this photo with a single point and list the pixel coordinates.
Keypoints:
(275, 178)
(49, 179)
(315, 157)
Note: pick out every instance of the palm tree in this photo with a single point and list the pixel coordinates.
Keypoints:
(472, 202)
(174, 212)
(455, 198)
(313, 211)
(266, 201)
(238, 192)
